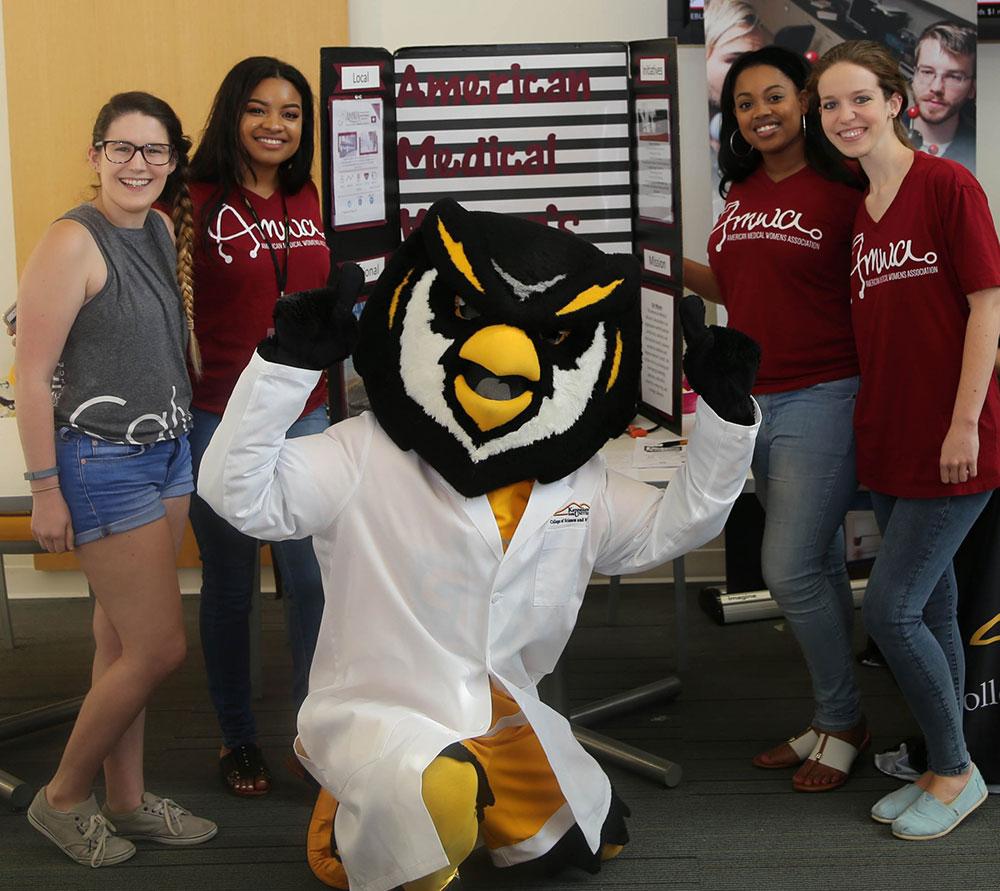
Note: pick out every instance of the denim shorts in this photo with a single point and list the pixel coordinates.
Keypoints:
(112, 487)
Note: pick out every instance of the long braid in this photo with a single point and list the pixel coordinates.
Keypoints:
(183, 217)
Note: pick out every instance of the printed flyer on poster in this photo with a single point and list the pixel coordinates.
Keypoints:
(357, 162)
(658, 349)
(653, 162)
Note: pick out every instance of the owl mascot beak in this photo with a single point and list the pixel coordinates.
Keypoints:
(500, 349)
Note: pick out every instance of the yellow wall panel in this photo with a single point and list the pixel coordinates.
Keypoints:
(64, 58)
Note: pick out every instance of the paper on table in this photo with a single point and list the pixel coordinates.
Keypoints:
(667, 453)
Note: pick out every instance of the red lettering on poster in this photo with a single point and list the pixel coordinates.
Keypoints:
(488, 157)
(472, 89)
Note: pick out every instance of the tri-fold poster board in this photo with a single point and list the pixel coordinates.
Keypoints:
(579, 136)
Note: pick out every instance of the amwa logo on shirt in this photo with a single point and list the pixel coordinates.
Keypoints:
(230, 225)
(891, 262)
(774, 225)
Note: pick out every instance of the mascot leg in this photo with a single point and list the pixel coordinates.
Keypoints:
(321, 849)
(450, 791)
(454, 791)
(529, 819)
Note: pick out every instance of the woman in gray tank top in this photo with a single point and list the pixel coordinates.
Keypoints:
(102, 333)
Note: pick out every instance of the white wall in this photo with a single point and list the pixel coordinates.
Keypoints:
(988, 124)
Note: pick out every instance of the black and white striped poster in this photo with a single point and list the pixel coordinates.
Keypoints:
(537, 131)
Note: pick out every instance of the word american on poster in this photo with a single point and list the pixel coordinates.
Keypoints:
(538, 132)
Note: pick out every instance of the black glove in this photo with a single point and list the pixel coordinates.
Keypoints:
(720, 364)
(314, 329)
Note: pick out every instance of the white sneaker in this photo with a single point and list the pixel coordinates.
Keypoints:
(82, 833)
(162, 820)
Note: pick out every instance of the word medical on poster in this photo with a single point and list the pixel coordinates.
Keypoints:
(538, 132)
(358, 135)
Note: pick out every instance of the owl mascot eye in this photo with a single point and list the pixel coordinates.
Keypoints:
(501, 350)
(457, 526)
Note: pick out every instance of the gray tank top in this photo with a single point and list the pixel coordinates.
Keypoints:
(122, 374)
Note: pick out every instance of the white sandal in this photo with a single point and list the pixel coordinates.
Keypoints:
(802, 745)
(835, 753)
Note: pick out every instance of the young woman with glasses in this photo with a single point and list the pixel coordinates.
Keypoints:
(778, 255)
(259, 235)
(925, 305)
(109, 463)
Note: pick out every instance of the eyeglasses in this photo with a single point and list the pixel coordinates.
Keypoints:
(953, 79)
(118, 151)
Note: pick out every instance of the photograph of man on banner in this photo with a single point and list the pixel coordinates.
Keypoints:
(943, 114)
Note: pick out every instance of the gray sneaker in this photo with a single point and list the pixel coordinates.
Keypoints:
(162, 820)
(83, 834)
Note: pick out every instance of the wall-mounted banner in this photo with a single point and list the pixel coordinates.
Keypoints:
(935, 44)
(537, 131)
(358, 138)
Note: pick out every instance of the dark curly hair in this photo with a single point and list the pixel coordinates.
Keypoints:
(736, 166)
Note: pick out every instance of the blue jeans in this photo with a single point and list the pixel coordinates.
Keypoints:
(804, 475)
(910, 612)
(228, 563)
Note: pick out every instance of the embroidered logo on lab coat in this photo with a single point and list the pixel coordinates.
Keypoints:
(573, 513)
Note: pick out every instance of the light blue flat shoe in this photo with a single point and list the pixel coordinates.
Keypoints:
(890, 806)
(929, 818)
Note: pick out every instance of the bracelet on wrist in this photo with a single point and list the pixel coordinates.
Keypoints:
(42, 474)
(44, 489)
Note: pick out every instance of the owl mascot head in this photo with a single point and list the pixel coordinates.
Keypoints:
(500, 349)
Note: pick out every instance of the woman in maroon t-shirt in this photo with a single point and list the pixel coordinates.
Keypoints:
(779, 254)
(259, 234)
(925, 303)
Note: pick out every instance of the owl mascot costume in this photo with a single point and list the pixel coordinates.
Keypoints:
(457, 525)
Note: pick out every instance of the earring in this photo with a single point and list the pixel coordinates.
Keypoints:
(803, 125)
(732, 147)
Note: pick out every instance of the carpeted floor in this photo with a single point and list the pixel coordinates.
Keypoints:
(727, 826)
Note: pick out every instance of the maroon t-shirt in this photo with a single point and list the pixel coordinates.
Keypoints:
(235, 287)
(780, 253)
(911, 272)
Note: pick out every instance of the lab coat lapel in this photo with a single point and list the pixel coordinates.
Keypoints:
(480, 513)
(545, 500)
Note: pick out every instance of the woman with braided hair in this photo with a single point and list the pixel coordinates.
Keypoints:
(100, 308)
(259, 234)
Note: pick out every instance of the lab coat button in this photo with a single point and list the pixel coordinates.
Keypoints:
(496, 598)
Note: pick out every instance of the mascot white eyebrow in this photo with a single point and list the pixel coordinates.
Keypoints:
(457, 526)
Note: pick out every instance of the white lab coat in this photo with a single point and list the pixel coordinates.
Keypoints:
(423, 606)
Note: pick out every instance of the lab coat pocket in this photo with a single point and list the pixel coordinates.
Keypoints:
(559, 559)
